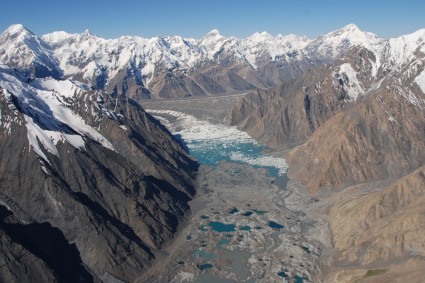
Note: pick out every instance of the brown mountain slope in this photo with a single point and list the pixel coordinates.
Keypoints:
(285, 116)
(378, 138)
(382, 225)
(378, 236)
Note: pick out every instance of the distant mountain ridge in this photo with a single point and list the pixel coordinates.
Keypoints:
(166, 67)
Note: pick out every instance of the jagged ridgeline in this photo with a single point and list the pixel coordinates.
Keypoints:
(91, 185)
(164, 67)
(169, 67)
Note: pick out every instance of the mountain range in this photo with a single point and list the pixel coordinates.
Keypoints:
(170, 67)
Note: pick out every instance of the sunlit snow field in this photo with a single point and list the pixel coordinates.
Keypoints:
(211, 143)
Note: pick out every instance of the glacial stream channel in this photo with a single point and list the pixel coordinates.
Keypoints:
(240, 229)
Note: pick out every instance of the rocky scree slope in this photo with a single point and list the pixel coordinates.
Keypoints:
(85, 174)
(364, 234)
(379, 232)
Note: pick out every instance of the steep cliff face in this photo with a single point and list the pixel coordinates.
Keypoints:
(35, 251)
(94, 171)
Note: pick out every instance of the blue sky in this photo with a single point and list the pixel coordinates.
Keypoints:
(191, 18)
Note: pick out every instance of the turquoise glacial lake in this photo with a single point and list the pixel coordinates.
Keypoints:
(213, 143)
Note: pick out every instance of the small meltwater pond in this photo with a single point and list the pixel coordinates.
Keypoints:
(211, 143)
(222, 227)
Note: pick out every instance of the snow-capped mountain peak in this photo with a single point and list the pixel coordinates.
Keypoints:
(351, 27)
(56, 36)
(22, 49)
(260, 37)
(356, 35)
(211, 38)
(334, 43)
(214, 33)
(18, 30)
(293, 37)
(403, 53)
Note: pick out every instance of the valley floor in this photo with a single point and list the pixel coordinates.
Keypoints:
(268, 236)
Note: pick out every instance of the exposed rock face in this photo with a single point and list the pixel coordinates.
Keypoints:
(94, 172)
(36, 251)
(287, 115)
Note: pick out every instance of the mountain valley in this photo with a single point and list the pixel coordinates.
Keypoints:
(219, 159)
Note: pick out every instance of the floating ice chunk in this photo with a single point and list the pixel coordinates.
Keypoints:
(265, 161)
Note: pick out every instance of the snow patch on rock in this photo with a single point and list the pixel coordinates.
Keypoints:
(48, 119)
(354, 87)
(420, 81)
